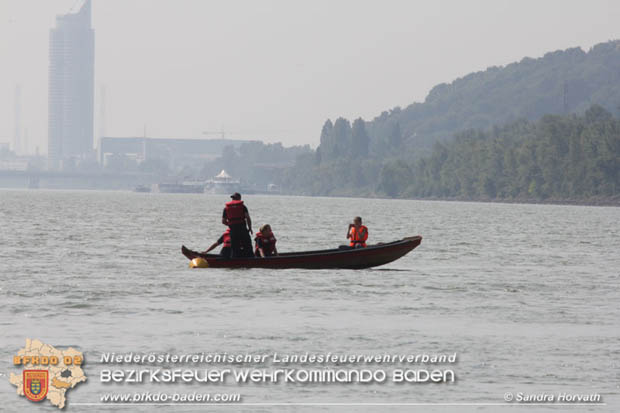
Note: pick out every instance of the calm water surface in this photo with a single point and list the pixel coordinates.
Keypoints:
(526, 295)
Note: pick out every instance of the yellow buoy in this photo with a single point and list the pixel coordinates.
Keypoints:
(198, 263)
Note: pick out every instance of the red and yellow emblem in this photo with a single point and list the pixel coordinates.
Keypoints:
(36, 384)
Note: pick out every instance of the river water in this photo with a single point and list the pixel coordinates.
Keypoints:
(526, 295)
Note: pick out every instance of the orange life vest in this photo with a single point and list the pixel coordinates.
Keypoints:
(226, 237)
(235, 213)
(358, 237)
(269, 244)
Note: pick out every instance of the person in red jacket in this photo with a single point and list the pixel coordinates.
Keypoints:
(357, 233)
(236, 216)
(265, 242)
(224, 240)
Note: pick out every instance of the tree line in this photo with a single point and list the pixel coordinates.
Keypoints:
(559, 83)
(410, 152)
(556, 157)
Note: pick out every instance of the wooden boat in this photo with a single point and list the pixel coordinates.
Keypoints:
(344, 257)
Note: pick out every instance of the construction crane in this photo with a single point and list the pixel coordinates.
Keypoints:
(222, 133)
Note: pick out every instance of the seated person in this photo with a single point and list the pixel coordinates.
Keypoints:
(265, 242)
(357, 233)
(226, 250)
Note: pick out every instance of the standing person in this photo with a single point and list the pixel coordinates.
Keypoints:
(265, 242)
(357, 233)
(224, 240)
(236, 216)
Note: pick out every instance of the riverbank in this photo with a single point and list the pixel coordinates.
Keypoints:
(590, 201)
(594, 201)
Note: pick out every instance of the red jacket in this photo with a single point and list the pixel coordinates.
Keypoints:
(268, 244)
(226, 239)
(235, 212)
(358, 236)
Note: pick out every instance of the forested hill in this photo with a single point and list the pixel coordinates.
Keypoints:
(558, 158)
(570, 158)
(561, 82)
(538, 129)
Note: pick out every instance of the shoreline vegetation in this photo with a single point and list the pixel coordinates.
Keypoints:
(541, 130)
(573, 160)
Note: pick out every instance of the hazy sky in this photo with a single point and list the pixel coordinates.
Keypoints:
(275, 70)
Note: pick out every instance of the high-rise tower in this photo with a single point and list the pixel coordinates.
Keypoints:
(71, 87)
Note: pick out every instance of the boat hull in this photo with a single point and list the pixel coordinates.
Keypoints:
(348, 258)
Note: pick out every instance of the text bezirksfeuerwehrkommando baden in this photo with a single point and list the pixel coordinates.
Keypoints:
(282, 375)
(275, 358)
(332, 368)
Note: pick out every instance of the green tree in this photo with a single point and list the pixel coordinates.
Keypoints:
(394, 137)
(326, 149)
(360, 139)
(341, 135)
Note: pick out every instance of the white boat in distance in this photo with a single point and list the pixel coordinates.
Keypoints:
(222, 183)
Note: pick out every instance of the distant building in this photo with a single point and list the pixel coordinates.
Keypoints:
(71, 87)
(176, 153)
